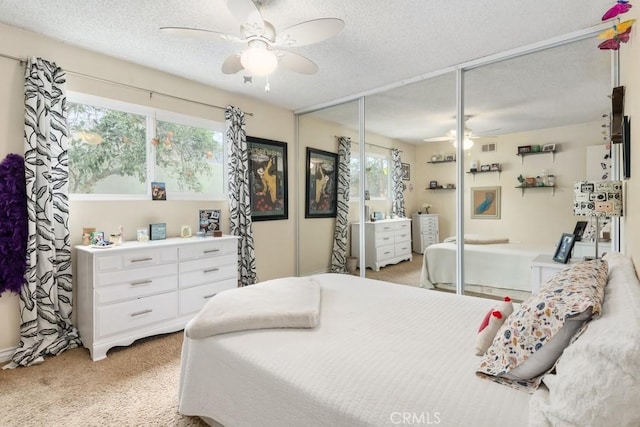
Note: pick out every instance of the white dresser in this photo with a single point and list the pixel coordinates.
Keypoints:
(136, 290)
(387, 241)
(425, 231)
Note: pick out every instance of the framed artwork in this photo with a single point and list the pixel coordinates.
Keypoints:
(485, 202)
(565, 245)
(406, 172)
(268, 179)
(209, 221)
(321, 188)
(158, 191)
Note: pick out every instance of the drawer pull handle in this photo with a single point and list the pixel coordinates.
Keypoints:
(144, 282)
(141, 259)
(387, 253)
(140, 313)
(209, 296)
(211, 270)
(208, 251)
(387, 238)
(387, 228)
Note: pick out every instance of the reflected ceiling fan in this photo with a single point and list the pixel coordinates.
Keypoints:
(469, 136)
(263, 52)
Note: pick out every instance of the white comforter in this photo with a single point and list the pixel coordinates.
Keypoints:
(381, 354)
(504, 265)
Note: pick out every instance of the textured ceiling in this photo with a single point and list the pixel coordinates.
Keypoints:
(383, 42)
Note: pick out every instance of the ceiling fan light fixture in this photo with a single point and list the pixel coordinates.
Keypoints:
(258, 61)
(467, 143)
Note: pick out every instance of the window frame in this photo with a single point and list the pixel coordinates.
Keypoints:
(152, 116)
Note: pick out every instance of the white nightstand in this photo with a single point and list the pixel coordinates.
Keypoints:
(543, 267)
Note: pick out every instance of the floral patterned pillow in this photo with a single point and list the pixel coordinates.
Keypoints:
(549, 320)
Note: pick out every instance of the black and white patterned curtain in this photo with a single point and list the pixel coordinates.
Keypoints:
(239, 196)
(46, 297)
(339, 254)
(397, 187)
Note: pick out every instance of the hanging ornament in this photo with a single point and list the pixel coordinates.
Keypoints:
(622, 6)
(617, 34)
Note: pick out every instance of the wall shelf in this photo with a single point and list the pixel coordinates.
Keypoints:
(489, 171)
(442, 161)
(440, 188)
(523, 155)
(527, 187)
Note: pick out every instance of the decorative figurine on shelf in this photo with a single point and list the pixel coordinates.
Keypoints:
(521, 180)
(121, 232)
(426, 206)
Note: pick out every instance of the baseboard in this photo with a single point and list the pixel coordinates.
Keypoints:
(5, 355)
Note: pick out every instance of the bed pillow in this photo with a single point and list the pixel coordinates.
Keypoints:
(491, 323)
(567, 300)
(597, 381)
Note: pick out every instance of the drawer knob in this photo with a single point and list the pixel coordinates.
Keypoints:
(209, 296)
(211, 270)
(208, 251)
(143, 282)
(140, 313)
(141, 259)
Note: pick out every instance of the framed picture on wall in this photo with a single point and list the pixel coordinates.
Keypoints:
(268, 179)
(485, 202)
(321, 184)
(406, 172)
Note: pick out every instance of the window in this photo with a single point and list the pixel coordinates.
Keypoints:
(377, 178)
(116, 150)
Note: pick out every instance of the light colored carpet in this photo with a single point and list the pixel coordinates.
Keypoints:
(133, 386)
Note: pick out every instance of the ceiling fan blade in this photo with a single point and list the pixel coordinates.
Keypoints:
(232, 64)
(309, 32)
(438, 139)
(247, 14)
(295, 62)
(199, 33)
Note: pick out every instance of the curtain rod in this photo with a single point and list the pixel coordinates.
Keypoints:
(369, 144)
(23, 61)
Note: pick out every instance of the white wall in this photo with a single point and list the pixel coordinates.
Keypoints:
(108, 216)
(535, 216)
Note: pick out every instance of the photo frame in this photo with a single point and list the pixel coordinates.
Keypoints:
(406, 172)
(495, 166)
(524, 149)
(565, 246)
(485, 202)
(578, 231)
(321, 184)
(549, 147)
(209, 221)
(268, 186)
(158, 191)
(450, 158)
(158, 231)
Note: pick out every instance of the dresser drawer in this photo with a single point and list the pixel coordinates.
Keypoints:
(429, 221)
(137, 288)
(402, 249)
(209, 249)
(402, 236)
(193, 299)
(135, 259)
(382, 227)
(197, 272)
(385, 252)
(133, 314)
(384, 238)
(134, 275)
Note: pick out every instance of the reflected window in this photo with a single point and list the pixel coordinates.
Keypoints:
(377, 176)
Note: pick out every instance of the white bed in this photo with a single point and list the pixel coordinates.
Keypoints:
(381, 353)
(498, 265)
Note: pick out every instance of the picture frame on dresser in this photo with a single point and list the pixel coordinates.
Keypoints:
(268, 186)
(563, 250)
(321, 188)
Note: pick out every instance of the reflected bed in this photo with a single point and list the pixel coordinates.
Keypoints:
(488, 268)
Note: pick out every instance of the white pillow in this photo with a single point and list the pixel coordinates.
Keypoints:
(597, 379)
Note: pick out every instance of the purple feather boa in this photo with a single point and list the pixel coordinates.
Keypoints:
(13, 224)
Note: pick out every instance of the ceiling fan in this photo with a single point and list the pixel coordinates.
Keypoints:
(264, 45)
(468, 138)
